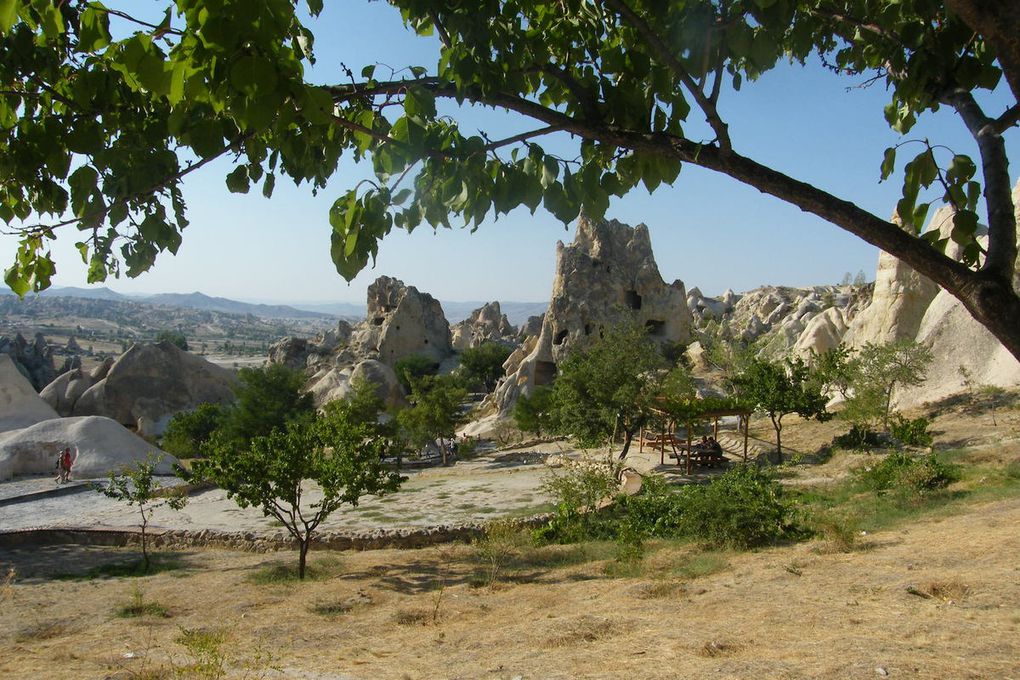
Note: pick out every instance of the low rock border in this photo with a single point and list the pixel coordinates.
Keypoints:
(250, 541)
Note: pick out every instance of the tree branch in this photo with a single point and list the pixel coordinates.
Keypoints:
(1002, 247)
(669, 59)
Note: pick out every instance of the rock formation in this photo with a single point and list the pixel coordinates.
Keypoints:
(606, 276)
(63, 393)
(486, 324)
(900, 299)
(400, 322)
(33, 359)
(302, 353)
(147, 385)
(104, 446)
(20, 406)
(335, 383)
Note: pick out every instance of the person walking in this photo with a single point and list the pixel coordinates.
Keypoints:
(65, 463)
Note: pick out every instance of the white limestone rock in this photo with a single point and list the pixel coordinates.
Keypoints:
(103, 445)
(20, 406)
(401, 321)
(150, 383)
(607, 275)
(485, 324)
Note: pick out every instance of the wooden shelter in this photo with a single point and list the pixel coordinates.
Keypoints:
(665, 437)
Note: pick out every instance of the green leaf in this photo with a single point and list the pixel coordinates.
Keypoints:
(8, 15)
(888, 162)
(237, 180)
(268, 185)
(94, 33)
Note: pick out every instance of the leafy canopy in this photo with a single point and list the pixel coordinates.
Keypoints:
(99, 127)
(608, 387)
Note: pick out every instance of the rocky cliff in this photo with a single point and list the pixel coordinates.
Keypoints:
(606, 276)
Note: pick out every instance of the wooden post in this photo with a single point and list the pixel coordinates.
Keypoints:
(689, 447)
(747, 421)
(715, 429)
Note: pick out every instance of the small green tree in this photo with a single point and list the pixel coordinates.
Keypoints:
(189, 430)
(607, 389)
(174, 337)
(434, 413)
(779, 389)
(535, 412)
(483, 365)
(413, 367)
(135, 485)
(342, 458)
(877, 370)
(267, 398)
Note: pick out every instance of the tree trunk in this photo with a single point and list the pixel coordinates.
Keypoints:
(628, 436)
(145, 545)
(778, 425)
(303, 555)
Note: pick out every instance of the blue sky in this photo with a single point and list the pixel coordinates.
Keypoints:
(707, 230)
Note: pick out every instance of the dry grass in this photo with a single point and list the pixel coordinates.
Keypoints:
(786, 612)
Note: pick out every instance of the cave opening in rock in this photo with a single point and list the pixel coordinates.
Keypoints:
(560, 337)
(632, 299)
(545, 372)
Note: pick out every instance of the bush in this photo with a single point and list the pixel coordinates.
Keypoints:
(911, 432)
(860, 437)
(743, 508)
(901, 471)
(188, 431)
(412, 368)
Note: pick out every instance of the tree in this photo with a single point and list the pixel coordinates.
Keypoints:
(135, 486)
(877, 370)
(412, 368)
(621, 78)
(484, 364)
(189, 430)
(173, 337)
(779, 389)
(343, 459)
(434, 413)
(268, 398)
(535, 412)
(607, 388)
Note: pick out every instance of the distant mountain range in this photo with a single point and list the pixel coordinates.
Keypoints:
(517, 312)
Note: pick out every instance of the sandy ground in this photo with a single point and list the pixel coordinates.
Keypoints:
(781, 613)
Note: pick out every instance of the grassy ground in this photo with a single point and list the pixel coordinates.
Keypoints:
(891, 584)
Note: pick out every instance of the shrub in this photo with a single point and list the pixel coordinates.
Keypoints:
(503, 540)
(911, 432)
(187, 431)
(901, 471)
(743, 508)
(412, 368)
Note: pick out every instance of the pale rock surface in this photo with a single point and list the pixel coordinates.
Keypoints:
(336, 383)
(533, 326)
(900, 299)
(607, 275)
(150, 383)
(401, 321)
(20, 406)
(822, 333)
(64, 392)
(103, 445)
(485, 324)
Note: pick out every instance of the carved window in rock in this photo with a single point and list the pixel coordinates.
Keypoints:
(379, 320)
(632, 299)
(545, 372)
(560, 337)
(587, 329)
